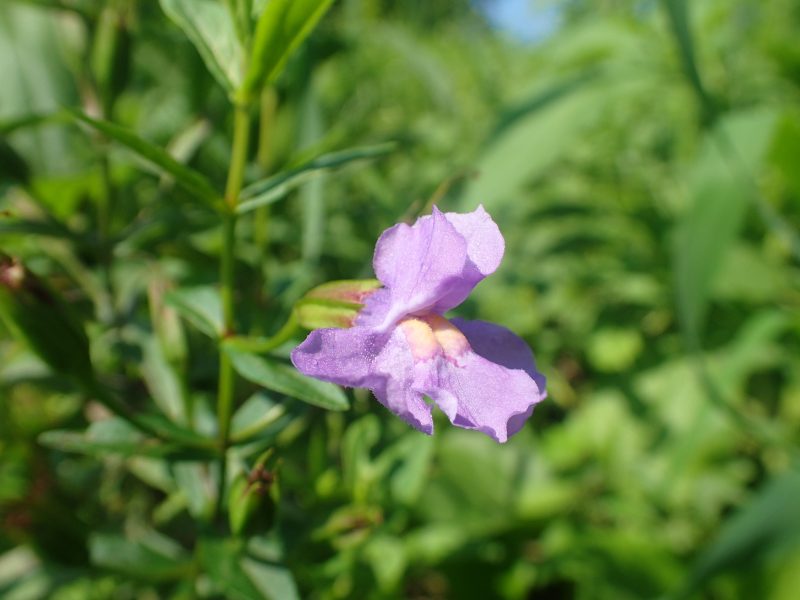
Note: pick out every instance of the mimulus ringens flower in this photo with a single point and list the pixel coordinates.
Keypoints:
(400, 346)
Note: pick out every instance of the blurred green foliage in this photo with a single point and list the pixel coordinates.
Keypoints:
(643, 163)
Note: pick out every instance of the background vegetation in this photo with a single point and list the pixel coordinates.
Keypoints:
(643, 163)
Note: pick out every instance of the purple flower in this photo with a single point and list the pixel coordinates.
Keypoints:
(479, 374)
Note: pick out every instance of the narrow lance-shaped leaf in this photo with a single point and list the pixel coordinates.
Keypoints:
(767, 527)
(12, 166)
(201, 306)
(190, 179)
(38, 316)
(210, 28)
(286, 380)
(48, 228)
(283, 25)
(720, 194)
(678, 13)
(117, 437)
(152, 557)
(241, 574)
(278, 186)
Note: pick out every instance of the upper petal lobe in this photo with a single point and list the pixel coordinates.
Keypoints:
(432, 265)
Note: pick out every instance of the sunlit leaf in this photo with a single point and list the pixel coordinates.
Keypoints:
(680, 23)
(720, 190)
(115, 437)
(242, 573)
(767, 527)
(287, 380)
(191, 180)
(208, 25)
(151, 557)
(278, 186)
(531, 141)
(201, 306)
(281, 28)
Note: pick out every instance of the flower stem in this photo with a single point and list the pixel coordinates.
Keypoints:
(241, 131)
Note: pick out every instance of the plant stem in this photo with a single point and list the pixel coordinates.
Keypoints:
(241, 131)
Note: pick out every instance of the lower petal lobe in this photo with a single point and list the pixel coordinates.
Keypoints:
(397, 387)
(484, 395)
(341, 356)
(362, 357)
(501, 346)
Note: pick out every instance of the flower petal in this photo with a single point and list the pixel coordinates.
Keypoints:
(492, 387)
(418, 264)
(398, 389)
(479, 394)
(501, 346)
(360, 357)
(341, 356)
(485, 248)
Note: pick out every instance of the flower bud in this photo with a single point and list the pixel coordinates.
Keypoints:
(334, 304)
(253, 498)
(34, 313)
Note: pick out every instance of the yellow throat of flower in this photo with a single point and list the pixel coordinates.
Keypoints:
(430, 335)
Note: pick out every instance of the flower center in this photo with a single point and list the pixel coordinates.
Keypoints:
(432, 334)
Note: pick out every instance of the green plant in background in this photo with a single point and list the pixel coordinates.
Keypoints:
(175, 177)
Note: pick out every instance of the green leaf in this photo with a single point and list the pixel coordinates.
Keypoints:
(244, 574)
(33, 57)
(283, 25)
(528, 142)
(151, 557)
(287, 380)
(254, 417)
(9, 126)
(414, 454)
(201, 306)
(198, 483)
(115, 436)
(162, 380)
(388, 559)
(220, 561)
(18, 566)
(785, 150)
(768, 527)
(678, 13)
(719, 191)
(614, 350)
(278, 186)
(49, 325)
(50, 228)
(358, 471)
(272, 581)
(210, 28)
(12, 166)
(190, 179)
